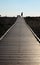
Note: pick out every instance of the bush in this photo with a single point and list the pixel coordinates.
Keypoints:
(6, 23)
(34, 23)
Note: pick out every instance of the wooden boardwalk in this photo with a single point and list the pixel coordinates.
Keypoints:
(19, 46)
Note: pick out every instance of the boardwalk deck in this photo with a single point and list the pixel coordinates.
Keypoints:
(19, 46)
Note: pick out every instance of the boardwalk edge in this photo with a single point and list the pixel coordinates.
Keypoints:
(34, 33)
(6, 32)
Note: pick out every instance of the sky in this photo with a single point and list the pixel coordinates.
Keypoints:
(15, 7)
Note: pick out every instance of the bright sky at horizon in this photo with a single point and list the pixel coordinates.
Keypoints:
(15, 7)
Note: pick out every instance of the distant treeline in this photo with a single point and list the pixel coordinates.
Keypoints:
(5, 23)
(34, 23)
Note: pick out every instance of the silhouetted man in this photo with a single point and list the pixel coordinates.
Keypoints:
(21, 13)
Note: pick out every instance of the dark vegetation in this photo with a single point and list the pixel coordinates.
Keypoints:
(6, 23)
(34, 23)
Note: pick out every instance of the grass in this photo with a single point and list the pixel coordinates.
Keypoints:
(34, 23)
(6, 23)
